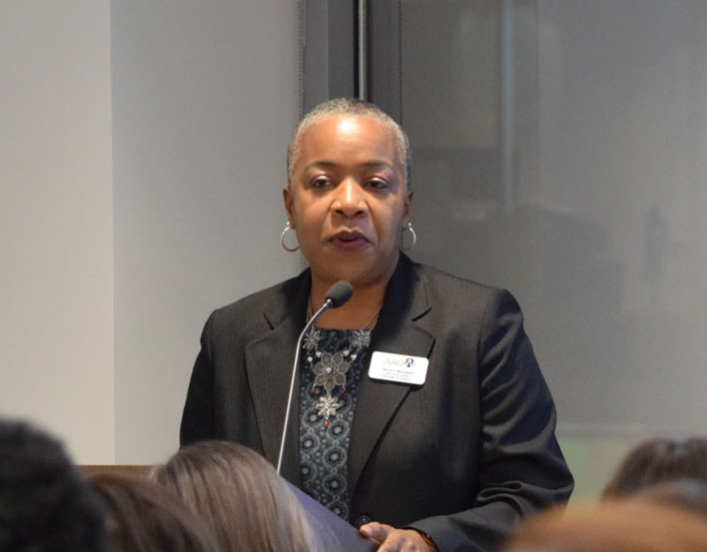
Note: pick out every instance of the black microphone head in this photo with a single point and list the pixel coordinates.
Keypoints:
(339, 293)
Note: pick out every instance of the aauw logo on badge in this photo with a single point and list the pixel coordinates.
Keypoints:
(398, 368)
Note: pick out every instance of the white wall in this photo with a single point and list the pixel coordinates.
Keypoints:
(112, 259)
(205, 96)
(56, 236)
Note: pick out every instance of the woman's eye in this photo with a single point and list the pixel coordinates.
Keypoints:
(378, 184)
(320, 182)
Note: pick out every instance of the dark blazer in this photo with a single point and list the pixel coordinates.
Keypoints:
(460, 458)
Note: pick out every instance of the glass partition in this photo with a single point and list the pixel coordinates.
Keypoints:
(560, 151)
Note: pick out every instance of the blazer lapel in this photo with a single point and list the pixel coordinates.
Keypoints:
(397, 331)
(269, 365)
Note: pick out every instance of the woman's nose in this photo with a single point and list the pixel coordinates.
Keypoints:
(349, 199)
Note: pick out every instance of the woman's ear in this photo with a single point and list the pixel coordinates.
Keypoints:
(289, 207)
(406, 209)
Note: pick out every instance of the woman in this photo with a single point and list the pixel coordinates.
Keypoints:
(143, 517)
(239, 495)
(455, 458)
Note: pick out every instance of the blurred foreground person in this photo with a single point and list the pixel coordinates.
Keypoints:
(658, 460)
(45, 505)
(628, 526)
(240, 496)
(142, 517)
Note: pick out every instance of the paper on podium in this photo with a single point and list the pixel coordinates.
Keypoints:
(335, 533)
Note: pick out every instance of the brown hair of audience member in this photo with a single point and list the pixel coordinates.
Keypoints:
(659, 460)
(239, 494)
(613, 526)
(689, 494)
(143, 517)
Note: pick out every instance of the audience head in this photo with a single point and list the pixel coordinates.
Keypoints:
(239, 494)
(142, 517)
(613, 526)
(689, 494)
(45, 504)
(659, 460)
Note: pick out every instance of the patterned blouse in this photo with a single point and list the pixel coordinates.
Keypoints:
(331, 366)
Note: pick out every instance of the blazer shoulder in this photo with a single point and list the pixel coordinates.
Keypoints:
(442, 285)
(258, 310)
(460, 302)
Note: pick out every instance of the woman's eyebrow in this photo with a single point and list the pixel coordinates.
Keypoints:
(376, 164)
(325, 163)
(322, 163)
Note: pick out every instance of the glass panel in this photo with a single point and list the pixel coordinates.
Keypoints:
(559, 150)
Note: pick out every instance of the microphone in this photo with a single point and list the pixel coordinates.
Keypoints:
(335, 297)
(339, 293)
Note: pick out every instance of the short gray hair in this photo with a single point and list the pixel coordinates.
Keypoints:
(356, 108)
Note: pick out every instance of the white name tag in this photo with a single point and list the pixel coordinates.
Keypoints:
(398, 368)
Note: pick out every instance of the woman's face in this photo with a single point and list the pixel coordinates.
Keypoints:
(348, 200)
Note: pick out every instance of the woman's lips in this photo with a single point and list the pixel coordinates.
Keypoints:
(349, 240)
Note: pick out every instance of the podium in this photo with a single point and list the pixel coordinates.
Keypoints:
(334, 531)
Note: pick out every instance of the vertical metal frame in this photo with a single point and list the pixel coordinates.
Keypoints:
(385, 68)
(507, 111)
(362, 50)
(329, 51)
(338, 37)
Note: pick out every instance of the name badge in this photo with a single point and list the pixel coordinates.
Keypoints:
(398, 368)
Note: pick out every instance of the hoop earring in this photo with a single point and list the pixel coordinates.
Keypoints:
(288, 227)
(410, 229)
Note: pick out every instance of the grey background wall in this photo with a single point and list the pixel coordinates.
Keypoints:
(134, 203)
(560, 151)
(56, 229)
(205, 97)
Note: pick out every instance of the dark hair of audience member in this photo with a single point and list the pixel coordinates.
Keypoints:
(239, 494)
(143, 517)
(659, 460)
(45, 504)
(689, 494)
(612, 526)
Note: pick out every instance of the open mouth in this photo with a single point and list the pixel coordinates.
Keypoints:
(349, 240)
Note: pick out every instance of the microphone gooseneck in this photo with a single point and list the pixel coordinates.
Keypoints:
(335, 297)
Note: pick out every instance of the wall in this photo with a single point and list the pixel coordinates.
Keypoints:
(622, 152)
(565, 160)
(56, 235)
(142, 152)
(205, 96)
